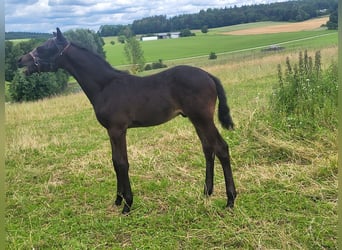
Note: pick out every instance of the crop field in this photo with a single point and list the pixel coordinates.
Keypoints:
(61, 183)
(311, 24)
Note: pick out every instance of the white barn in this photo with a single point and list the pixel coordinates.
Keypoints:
(161, 36)
(149, 38)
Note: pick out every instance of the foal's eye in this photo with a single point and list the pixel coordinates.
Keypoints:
(40, 50)
(44, 51)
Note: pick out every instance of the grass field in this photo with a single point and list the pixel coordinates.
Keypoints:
(61, 183)
(202, 45)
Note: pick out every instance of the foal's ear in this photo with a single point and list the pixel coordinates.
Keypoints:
(60, 36)
(59, 33)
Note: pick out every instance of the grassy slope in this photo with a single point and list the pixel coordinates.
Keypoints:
(61, 183)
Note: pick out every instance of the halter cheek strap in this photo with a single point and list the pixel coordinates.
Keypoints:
(65, 49)
(38, 61)
(35, 58)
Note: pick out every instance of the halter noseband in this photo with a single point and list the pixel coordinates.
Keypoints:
(52, 65)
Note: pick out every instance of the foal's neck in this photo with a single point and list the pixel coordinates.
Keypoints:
(91, 71)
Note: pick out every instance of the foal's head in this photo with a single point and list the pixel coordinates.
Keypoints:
(43, 58)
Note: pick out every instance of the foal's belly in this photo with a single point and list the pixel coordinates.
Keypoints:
(154, 117)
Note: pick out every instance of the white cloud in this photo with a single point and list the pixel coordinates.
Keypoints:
(46, 15)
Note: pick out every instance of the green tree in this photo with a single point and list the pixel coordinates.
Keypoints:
(204, 29)
(332, 24)
(126, 32)
(186, 32)
(121, 39)
(134, 54)
(11, 53)
(87, 39)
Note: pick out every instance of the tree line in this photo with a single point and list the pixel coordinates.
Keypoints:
(22, 35)
(298, 10)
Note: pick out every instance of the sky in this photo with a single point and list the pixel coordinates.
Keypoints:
(45, 15)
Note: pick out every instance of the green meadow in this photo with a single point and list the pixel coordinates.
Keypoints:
(61, 184)
(203, 44)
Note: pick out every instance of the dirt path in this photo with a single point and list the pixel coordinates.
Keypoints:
(287, 27)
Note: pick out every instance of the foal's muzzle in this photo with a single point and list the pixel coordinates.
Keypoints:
(35, 64)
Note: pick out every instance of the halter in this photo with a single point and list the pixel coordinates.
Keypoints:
(38, 62)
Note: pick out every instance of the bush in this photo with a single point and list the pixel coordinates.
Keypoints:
(121, 39)
(37, 86)
(212, 56)
(204, 29)
(155, 65)
(306, 95)
(186, 33)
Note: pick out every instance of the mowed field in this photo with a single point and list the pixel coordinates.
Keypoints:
(61, 183)
(311, 24)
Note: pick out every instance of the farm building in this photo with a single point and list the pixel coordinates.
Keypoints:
(149, 38)
(161, 36)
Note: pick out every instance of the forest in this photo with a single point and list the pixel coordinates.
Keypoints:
(23, 35)
(292, 11)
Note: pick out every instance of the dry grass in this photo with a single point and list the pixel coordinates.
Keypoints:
(259, 67)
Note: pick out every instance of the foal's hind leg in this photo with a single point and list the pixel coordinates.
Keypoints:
(209, 171)
(222, 152)
(213, 144)
(209, 155)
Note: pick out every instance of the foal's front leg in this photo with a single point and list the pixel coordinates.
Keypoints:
(121, 166)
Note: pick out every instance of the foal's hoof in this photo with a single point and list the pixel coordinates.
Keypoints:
(230, 205)
(126, 210)
(231, 199)
(207, 191)
(118, 201)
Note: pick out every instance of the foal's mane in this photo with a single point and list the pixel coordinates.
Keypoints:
(100, 60)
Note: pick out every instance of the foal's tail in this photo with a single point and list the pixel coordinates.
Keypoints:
(223, 109)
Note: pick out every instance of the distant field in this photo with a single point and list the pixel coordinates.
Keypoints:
(244, 26)
(270, 28)
(221, 40)
(202, 45)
